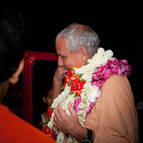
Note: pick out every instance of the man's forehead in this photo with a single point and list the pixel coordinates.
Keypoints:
(61, 46)
(61, 40)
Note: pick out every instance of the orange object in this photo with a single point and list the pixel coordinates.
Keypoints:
(15, 130)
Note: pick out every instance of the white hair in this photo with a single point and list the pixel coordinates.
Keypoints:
(78, 35)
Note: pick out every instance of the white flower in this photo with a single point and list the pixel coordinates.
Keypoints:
(60, 137)
(93, 93)
(50, 123)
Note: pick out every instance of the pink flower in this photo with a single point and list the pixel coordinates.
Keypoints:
(99, 83)
(90, 107)
(119, 67)
(76, 103)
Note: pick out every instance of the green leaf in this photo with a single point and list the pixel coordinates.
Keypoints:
(62, 88)
(73, 70)
(71, 92)
(80, 75)
(87, 63)
(75, 95)
(51, 108)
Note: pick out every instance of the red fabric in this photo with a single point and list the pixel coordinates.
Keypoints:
(15, 130)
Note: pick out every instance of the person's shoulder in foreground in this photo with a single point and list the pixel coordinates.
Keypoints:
(15, 130)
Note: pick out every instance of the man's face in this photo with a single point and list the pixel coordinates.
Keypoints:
(66, 58)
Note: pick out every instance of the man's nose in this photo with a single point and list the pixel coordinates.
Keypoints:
(60, 61)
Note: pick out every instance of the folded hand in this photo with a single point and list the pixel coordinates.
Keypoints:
(69, 124)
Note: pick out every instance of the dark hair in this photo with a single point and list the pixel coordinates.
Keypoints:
(12, 32)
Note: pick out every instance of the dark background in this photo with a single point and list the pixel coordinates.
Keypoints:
(118, 25)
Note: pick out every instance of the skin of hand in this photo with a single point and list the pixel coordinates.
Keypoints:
(58, 80)
(69, 124)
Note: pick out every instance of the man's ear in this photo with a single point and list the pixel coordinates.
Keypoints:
(84, 53)
(15, 76)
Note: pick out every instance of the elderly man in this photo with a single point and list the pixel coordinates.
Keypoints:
(113, 117)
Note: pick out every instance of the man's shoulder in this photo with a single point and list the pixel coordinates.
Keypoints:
(115, 80)
(117, 88)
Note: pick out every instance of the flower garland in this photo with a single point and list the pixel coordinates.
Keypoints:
(82, 86)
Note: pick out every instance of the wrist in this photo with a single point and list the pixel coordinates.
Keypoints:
(81, 133)
(56, 88)
(57, 84)
(87, 138)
